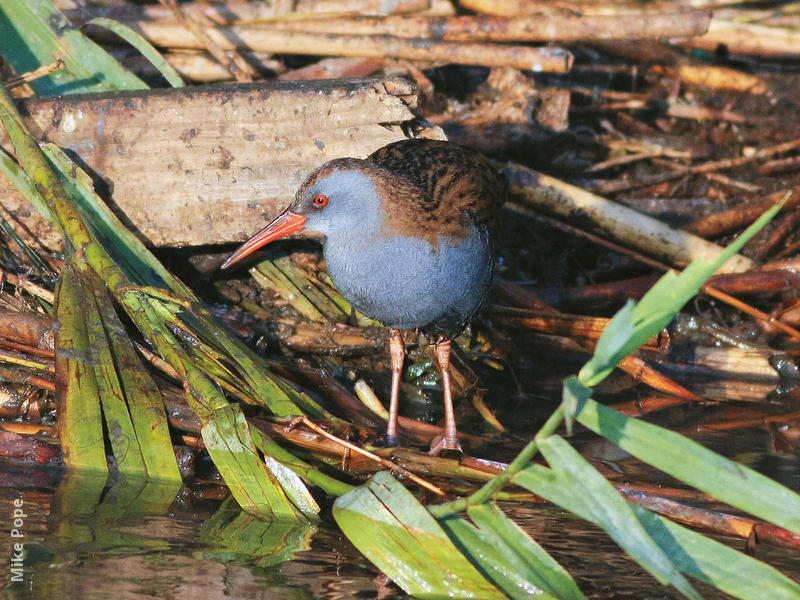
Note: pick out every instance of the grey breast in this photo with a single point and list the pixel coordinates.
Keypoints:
(406, 283)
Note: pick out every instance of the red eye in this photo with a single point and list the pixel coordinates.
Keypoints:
(320, 200)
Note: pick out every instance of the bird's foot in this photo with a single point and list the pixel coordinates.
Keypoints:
(388, 442)
(446, 447)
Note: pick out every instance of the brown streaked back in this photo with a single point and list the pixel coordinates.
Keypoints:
(456, 185)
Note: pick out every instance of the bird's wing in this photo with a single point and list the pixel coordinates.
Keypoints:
(455, 182)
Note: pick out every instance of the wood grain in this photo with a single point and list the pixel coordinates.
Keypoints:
(207, 165)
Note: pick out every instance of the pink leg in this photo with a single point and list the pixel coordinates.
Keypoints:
(448, 441)
(397, 354)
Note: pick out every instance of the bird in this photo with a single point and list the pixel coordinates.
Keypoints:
(409, 237)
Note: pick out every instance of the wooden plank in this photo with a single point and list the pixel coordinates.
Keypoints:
(207, 165)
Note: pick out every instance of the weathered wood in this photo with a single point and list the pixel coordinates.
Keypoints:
(680, 22)
(232, 11)
(211, 164)
(258, 38)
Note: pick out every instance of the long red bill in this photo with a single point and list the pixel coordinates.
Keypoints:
(285, 223)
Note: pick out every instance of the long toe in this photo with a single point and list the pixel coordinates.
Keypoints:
(446, 448)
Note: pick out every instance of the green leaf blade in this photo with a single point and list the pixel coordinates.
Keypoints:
(716, 564)
(144, 47)
(80, 420)
(574, 484)
(33, 32)
(397, 534)
(635, 323)
(121, 433)
(681, 457)
(230, 445)
(511, 559)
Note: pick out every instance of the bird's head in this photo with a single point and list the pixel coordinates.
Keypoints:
(340, 197)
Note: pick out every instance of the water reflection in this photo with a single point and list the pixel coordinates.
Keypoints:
(134, 540)
(130, 540)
